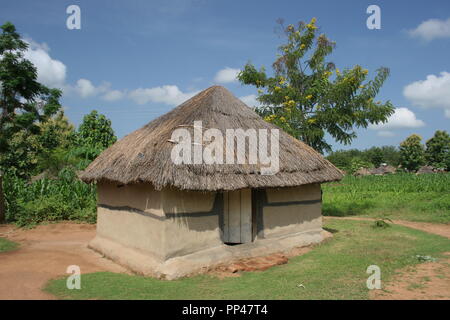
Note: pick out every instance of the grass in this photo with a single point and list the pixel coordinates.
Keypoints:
(335, 269)
(424, 198)
(6, 245)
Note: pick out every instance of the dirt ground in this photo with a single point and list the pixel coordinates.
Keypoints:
(425, 281)
(45, 252)
(262, 263)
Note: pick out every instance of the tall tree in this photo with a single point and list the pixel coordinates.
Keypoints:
(2, 200)
(412, 153)
(308, 96)
(24, 102)
(437, 151)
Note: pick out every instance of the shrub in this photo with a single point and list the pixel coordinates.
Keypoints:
(358, 163)
(64, 198)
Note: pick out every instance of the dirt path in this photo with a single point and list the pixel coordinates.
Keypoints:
(425, 281)
(45, 252)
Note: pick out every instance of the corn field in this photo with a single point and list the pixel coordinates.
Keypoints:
(64, 198)
(402, 196)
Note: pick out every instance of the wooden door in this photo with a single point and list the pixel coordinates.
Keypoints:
(237, 216)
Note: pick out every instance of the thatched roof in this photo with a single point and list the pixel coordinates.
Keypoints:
(426, 169)
(362, 172)
(145, 154)
(382, 170)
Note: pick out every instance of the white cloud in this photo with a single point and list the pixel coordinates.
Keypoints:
(385, 134)
(168, 94)
(402, 118)
(51, 72)
(432, 29)
(250, 100)
(113, 95)
(433, 92)
(226, 75)
(447, 113)
(85, 88)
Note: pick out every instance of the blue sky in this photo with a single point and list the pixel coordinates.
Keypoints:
(135, 60)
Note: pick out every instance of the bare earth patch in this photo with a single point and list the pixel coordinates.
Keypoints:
(45, 252)
(262, 263)
(425, 281)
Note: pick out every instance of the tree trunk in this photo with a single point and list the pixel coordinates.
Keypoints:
(2, 201)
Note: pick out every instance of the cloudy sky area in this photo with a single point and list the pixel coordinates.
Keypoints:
(135, 60)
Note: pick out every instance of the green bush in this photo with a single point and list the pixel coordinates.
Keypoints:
(357, 164)
(64, 198)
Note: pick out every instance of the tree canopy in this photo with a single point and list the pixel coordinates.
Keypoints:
(308, 96)
(24, 102)
(412, 153)
(437, 151)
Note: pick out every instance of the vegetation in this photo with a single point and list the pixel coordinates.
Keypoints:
(57, 194)
(412, 153)
(24, 102)
(308, 96)
(353, 159)
(437, 151)
(6, 245)
(60, 198)
(335, 269)
(399, 196)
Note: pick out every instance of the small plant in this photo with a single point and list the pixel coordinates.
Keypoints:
(380, 223)
(425, 258)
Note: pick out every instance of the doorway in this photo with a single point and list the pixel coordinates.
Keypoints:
(237, 217)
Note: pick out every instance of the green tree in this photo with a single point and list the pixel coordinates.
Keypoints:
(412, 153)
(2, 200)
(21, 158)
(308, 96)
(94, 135)
(56, 132)
(96, 130)
(343, 158)
(391, 155)
(437, 151)
(358, 163)
(375, 156)
(57, 139)
(24, 102)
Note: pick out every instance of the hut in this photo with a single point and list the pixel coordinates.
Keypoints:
(168, 219)
(425, 170)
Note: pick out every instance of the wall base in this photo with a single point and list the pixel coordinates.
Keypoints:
(146, 264)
